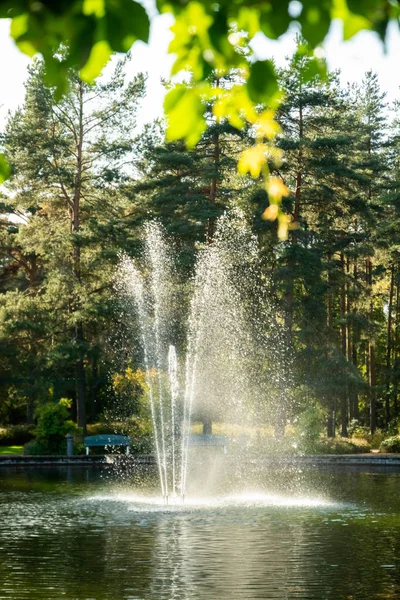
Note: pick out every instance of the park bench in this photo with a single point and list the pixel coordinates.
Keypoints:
(208, 439)
(93, 441)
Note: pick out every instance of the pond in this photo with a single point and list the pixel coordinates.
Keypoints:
(308, 533)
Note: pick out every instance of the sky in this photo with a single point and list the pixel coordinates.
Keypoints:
(353, 58)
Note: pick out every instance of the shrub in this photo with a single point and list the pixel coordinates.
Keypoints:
(357, 430)
(52, 427)
(375, 439)
(341, 446)
(130, 390)
(391, 444)
(34, 448)
(309, 427)
(17, 435)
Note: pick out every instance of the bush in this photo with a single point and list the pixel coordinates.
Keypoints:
(34, 448)
(52, 427)
(357, 430)
(309, 427)
(17, 435)
(391, 444)
(375, 439)
(341, 446)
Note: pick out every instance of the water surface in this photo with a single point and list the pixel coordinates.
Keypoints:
(293, 533)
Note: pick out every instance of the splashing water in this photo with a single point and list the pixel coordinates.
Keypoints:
(225, 331)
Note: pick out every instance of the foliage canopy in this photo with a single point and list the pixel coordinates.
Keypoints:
(207, 37)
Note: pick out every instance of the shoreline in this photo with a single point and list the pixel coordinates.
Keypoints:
(371, 459)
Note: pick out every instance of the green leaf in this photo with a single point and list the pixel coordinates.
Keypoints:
(352, 23)
(98, 58)
(262, 84)
(315, 21)
(94, 7)
(185, 114)
(367, 8)
(125, 22)
(377, 12)
(5, 170)
(218, 32)
(275, 18)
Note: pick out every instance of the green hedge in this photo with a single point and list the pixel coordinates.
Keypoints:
(391, 444)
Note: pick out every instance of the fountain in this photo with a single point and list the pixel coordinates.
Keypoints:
(221, 370)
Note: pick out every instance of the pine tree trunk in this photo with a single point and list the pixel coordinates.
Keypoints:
(93, 390)
(30, 407)
(343, 336)
(330, 428)
(331, 425)
(396, 346)
(79, 334)
(389, 347)
(371, 358)
(372, 384)
(354, 354)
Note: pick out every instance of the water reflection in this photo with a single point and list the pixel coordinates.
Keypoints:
(74, 535)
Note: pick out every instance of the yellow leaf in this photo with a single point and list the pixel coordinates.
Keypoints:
(282, 231)
(271, 212)
(98, 58)
(266, 126)
(276, 188)
(252, 160)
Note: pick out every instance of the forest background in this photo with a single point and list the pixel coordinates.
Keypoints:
(83, 182)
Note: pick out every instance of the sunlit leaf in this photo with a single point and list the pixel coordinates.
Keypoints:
(179, 101)
(276, 189)
(271, 212)
(94, 7)
(98, 58)
(352, 23)
(252, 160)
(5, 170)
(283, 226)
(249, 20)
(19, 26)
(266, 126)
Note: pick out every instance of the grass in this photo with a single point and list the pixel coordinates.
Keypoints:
(11, 449)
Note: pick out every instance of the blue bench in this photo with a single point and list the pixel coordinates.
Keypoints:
(208, 439)
(94, 441)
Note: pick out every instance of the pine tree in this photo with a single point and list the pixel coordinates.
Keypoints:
(69, 160)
